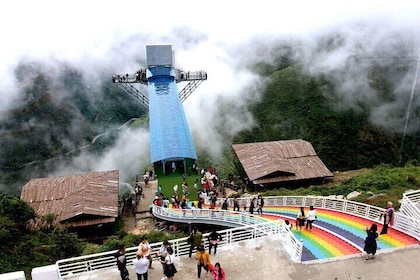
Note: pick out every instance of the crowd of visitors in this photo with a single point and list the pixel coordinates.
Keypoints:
(206, 189)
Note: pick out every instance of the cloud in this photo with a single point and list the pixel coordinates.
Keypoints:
(131, 151)
(347, 56)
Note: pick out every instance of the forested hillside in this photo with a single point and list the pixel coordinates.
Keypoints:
(59, 116)
(294, 106)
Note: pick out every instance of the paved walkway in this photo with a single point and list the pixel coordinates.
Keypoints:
(149, 194)
(263, 259)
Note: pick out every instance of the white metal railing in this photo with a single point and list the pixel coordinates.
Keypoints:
(414, 196)
(410, 204)
(72, 267)
(403, 222)
(232, 218)
(225, 217)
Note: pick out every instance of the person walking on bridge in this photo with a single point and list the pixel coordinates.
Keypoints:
(252, 206)
(260, 205)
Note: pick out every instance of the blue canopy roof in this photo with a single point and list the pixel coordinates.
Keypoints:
(170, 137)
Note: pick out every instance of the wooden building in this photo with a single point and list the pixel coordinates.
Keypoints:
(281, 163)
(77, 200)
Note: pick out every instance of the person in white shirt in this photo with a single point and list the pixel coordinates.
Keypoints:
(310, 218)
(141, 265)
(169, 262)
(165, 202)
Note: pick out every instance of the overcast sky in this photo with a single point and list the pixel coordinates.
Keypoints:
(91, 34)
(74, 29)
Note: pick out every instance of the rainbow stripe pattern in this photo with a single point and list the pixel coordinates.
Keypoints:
(335, 234)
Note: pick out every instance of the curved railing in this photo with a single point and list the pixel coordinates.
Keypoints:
(408, 225)
(410, 204)
(404, 223)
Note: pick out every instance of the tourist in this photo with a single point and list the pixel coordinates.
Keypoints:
(163, 252)
(184, 206)
(213, 199)
(200, 204)
(300, 219)
(310, 217)
(260, 204)
(218, 272)
(370, 242)
(195, 184)
(214, 239)
(194, 168)
(165, 202)
(184, 186)
(140, 264)
(170, 269)
(252, 206)
(203, 260)
(157, 201)
(225, 205)
(289, 226)
(122, 262)
(146, 179)
(145, 250)
(196, 239)
(235, 204)
(193, 207)
(389, 217)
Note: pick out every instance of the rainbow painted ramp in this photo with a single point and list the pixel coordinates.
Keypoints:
(336, 234)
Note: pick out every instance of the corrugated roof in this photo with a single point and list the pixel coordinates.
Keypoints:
(90, 198)
(170, 136)
(279, 161)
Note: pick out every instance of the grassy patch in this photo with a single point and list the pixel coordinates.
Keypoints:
(170, 180)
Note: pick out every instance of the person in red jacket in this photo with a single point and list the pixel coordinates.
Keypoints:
(157, 201)
(218, 272)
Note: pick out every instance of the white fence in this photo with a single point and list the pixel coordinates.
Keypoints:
(248, 227)
(75, 266)
(410, 204)
(407, 224)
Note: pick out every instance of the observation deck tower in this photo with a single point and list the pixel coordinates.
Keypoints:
(170, 137)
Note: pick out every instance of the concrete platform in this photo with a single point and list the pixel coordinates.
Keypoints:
(263, 259)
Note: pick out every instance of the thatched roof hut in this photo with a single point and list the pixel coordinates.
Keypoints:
(76, 200)
(284, 161)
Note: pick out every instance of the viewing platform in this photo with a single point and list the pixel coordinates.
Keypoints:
(337, 237)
